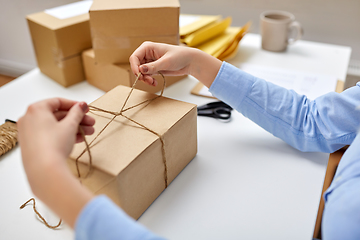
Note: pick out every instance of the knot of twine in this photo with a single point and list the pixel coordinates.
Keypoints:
(8, 136)
(93, 109)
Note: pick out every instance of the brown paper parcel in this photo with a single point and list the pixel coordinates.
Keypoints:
(127, 160)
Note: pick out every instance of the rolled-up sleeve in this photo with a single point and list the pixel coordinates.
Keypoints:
(325, 124)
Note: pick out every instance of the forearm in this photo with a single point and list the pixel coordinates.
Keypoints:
(204, 67)
(61, 192)
(325, 124)
(47, 133)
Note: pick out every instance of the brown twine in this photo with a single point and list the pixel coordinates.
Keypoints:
(39, 215)
(120, 113)
(8, 136)
(89, 145)
(90, 157)
(32, 199)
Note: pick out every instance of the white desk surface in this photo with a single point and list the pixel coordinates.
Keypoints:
(243, 184)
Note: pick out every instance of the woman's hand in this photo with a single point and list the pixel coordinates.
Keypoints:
(151, 58)
(51, 128)
(47, 134)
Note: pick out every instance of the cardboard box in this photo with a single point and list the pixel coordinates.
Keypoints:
(58, 44)
(127, 160)
(108, 76)
(119, 27)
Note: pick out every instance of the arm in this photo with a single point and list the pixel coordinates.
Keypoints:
(47, 133)
(325, 124)
(151, 58)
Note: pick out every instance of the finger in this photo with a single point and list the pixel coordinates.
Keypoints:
(59, 115)
(154, 67)
(137, 57)
(75, 116)
(79, 138)
(150, 55)
(134, 64)
(86, 121)
(88, 130)
(149, 80)
(58, 104)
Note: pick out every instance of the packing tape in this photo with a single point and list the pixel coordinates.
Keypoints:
(126, 42)
(59, 58)
(112, 42)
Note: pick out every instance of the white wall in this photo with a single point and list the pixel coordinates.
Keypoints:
(330, 21)
(16, 50)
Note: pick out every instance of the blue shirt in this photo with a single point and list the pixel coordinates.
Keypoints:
(323, 125)
(341, 217)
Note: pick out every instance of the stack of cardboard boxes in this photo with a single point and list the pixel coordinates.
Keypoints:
(58, 44)
(96, 45)
(146, 147)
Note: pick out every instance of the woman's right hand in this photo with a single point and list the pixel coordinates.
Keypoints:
(151, 58)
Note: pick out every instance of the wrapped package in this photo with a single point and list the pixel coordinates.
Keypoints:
(141, 151)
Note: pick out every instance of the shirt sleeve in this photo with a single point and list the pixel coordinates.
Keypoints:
(102, 219)
(341, 217)
(322, 125)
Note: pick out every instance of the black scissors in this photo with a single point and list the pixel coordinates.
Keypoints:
(219, 110)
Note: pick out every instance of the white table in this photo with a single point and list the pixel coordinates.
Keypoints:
(243, 184)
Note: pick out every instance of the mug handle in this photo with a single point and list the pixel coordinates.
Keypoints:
(299, 31)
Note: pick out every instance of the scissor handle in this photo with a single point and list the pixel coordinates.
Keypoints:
(213, 105)
(219, 113)
(222, 113)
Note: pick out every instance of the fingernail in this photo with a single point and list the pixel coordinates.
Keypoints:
(84, 106)
(144, 69)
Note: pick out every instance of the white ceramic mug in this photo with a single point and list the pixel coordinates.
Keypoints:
(278, 30)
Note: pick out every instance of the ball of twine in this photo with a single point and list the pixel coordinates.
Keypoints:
(8, 137)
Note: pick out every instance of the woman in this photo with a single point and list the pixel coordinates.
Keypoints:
(325, 124)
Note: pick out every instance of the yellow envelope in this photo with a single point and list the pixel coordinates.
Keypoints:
(206, 33)
(200, 22)
(215, 45)
(230, 54)
(233, 47)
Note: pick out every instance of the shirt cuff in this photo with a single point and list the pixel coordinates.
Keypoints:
(102, 219)
(231, 84)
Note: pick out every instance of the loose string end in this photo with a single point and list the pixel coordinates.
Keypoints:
(39, 215)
